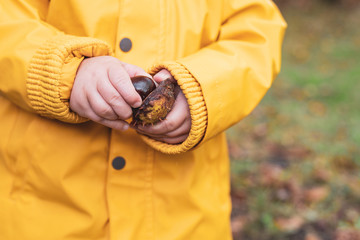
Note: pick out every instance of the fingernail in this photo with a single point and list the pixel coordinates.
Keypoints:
(125, 127)
(162, 75)
(137, 104)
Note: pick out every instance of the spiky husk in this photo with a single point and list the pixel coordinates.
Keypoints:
(156, 105)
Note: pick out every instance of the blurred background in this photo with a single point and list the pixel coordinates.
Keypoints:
(295, 160)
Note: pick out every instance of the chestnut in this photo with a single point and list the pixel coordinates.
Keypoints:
(143, 85)
(156, 105)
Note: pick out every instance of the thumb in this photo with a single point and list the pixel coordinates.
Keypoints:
(163, 75)
(133, 70)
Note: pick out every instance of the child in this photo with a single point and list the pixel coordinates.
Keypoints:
(71, 168)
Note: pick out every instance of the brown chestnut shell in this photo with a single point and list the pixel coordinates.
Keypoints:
(143, 85)
(156, 105)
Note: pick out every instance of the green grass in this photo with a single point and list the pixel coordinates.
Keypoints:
(306, 132)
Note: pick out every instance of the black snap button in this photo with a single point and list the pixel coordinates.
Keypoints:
(118, 163)
(125, 44)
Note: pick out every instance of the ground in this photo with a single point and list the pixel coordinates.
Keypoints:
(295, 160)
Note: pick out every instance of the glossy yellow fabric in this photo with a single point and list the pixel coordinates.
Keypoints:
(56, 174)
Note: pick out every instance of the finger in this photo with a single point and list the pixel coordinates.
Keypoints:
(114, 124)
(133, 70)
(100, 107)
(163, 75)
(176, 140)
(184, 129)
(115, 100)
(174, 119)
(120, 79)
(84, 109)
(79, 103)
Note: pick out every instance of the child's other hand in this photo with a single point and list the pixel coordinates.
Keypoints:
(176, 127)
(103, 91)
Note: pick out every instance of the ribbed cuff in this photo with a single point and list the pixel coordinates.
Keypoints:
(45, 73)
(192, 91)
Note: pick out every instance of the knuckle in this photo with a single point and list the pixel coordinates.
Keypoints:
(105, 111)
(96, 118)
(96, 75)
(130, 96)
(128, 114)
(169, 125)
(125, 113)
(119, 80)
(115, 99)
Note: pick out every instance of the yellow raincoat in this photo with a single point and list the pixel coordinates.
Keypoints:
(63, 177)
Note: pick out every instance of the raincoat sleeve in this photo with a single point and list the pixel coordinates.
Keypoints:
(224, 81)
(38, 62)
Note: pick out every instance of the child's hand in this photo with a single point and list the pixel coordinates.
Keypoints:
(103, 91)
(176, 127)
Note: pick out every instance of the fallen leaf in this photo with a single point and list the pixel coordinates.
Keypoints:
(237, 224)
(347, 234)
(312, 236)
(270, 174)
(316, 194)
(344, 163)
(289, 224)
(317, 108)
(235, 151)
(322, 174)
